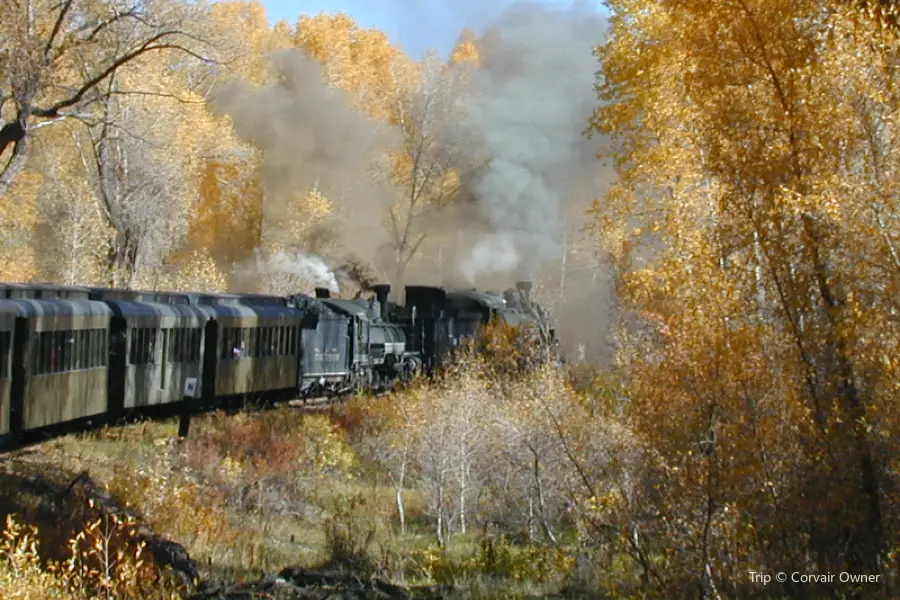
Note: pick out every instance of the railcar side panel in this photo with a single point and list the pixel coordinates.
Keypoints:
(257, 349)
(164, 347)
(57, 398)
(66, 361)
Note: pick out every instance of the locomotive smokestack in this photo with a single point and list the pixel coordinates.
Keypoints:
(382, 291)
(322, 293)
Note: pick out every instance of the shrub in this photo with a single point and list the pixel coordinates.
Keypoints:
(104, 562)
(348, 537)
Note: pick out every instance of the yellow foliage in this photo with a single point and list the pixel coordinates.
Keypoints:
(22, 575)
(361, 61)
(328, 449)
(753, 237)
(102, 564)
(18, 218)
(466, 49)
(194, 272)
(245, 38)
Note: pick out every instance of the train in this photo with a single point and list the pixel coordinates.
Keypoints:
(96, 355)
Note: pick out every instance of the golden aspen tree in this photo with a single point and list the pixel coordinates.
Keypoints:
(754, 218)
(58, 54)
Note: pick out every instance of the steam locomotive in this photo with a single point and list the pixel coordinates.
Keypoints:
(75, 354)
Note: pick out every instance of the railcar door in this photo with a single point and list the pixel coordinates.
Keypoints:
(118, 352)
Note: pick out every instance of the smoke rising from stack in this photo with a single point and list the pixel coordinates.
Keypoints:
(527, 108)
(286, 272)
(530, 103)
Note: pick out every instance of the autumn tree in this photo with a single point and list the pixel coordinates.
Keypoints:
(57, 54)
(437, 158)
(145, 155)
(422, 101)
(756, 166)
(227, 223)
(74, 234)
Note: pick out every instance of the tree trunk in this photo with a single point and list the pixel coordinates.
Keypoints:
(400, 508)
(872, 540)
(440, 514)
(462, 502)
(16, 162)
(542, 513)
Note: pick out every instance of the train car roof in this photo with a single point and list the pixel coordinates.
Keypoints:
(38, 290)
(123, 295)
(244, 310)
(127, 308)
(53, 308)
(240, 299)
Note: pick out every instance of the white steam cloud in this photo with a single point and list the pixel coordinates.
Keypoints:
(286, 272)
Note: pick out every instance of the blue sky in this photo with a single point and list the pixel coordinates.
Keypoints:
(415, 25)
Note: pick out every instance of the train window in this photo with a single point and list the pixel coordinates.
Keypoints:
(227, 344)
(70, 350)
(175, 349)
(66, 350)
(93, 349)
(35, 350)
(164, 340)
(5, 341)
(143, 344)
(101, 345)
(95, 354)
(84, 345)
(77, 347)
(137, 336)
(282, 341)
(182, 345)
(234, 343)
(196, 339)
